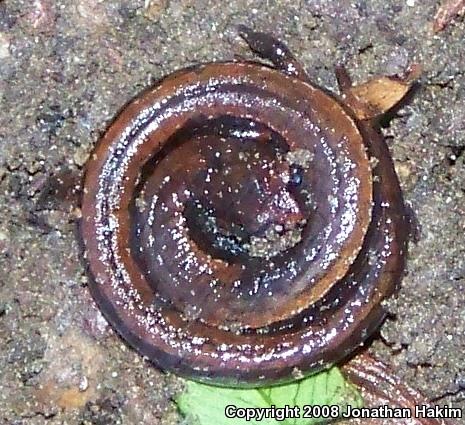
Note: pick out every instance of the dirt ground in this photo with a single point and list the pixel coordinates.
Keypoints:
(66, 67)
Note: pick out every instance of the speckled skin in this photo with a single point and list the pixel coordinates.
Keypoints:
(206, 303)
(380, 387)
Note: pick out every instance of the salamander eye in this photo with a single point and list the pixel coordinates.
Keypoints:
(295, 175)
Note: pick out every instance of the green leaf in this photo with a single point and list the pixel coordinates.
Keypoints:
(205, 404)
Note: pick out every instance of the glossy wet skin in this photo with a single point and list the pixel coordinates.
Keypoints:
(234, 226)
(379, 387)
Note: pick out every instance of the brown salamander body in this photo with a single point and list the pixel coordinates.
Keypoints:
(241, 225)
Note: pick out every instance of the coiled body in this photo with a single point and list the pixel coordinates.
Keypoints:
(242, 226)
